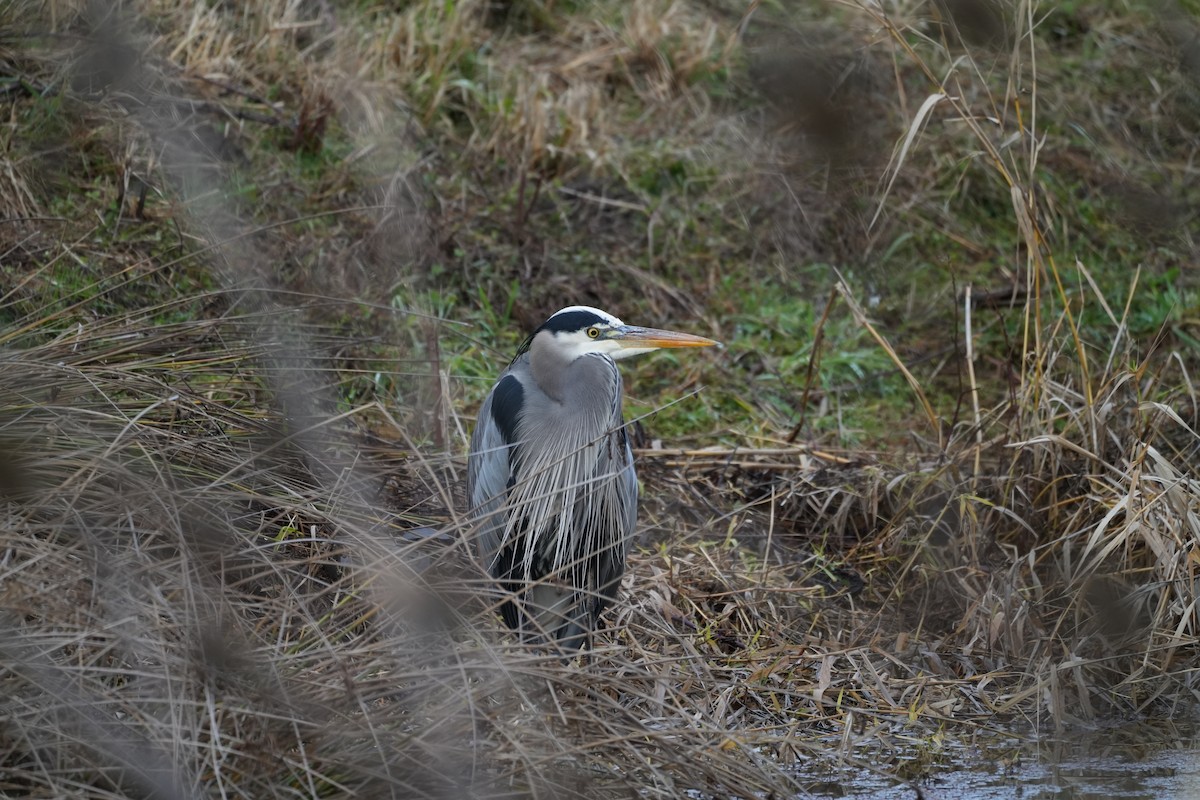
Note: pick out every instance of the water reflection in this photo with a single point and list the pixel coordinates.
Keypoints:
(1157, 760)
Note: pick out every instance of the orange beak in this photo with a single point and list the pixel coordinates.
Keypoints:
(634, 338)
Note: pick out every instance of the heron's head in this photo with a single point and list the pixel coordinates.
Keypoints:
(580, 330)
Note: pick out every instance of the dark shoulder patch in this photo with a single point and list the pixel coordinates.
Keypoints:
(508, 398)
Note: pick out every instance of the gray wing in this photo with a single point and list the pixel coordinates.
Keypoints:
(490, 465)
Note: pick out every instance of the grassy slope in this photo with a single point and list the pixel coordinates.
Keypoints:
(381, 176)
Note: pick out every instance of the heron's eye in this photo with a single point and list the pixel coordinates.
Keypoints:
(593, 332)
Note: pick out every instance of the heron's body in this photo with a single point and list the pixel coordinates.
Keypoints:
(550, 476)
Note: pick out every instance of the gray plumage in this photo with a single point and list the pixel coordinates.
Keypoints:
(550, 475)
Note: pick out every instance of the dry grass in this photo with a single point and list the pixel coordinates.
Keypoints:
(190, 595)
(194, 594)
(204, 582)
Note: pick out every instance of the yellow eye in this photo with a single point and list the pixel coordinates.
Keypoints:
(593, 333)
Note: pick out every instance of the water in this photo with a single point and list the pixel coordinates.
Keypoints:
(1142, 761)
(1167, 774)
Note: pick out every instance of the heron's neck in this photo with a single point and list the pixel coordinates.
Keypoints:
(548, 366)
(580, 381)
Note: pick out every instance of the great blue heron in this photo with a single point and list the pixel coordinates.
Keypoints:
(550, 476)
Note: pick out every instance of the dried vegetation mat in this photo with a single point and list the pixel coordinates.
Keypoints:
(202, 591)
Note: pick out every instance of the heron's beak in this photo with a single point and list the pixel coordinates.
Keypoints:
(631, 337)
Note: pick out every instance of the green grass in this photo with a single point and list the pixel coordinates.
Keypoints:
(695, 214)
